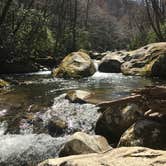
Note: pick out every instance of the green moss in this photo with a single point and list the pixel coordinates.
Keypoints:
(75, 65)
(3, 83)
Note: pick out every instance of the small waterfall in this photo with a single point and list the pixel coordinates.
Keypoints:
(98, 74)
(3, 128)
(46, 72)
(96, 64)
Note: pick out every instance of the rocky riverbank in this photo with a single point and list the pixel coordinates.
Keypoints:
(132, 122)
(146, 61)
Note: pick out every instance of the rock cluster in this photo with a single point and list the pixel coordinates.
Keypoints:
(135, 120)
(149, 60)
(129, 125)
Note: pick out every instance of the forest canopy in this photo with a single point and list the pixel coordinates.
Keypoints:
(52, 28)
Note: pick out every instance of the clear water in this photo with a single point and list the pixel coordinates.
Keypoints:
(27, 108)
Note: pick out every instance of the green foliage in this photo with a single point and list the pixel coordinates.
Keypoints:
(28, 36)
(138, 41)
(83, 41)
(146, 38)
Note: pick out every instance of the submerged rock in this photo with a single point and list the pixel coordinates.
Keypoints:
(78, 96)
(17, 150)
(145, 133)
(57, 127)
(133, 156)
(149, 60)
(75, 65)
(115, 120)
(82, 143)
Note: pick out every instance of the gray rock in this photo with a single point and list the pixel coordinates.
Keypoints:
(114, 121)
(145, 133)
(82, 143)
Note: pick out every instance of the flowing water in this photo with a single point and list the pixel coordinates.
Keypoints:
(28, 110)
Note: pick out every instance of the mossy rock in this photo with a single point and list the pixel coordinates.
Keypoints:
(149, 60)
(3, 83)
(75, 65)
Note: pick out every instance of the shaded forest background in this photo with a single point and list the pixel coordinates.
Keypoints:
(34, 29)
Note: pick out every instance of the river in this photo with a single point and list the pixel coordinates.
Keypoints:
(27, 108)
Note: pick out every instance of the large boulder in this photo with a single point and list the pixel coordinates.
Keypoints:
(149, 60)
(115, 120)
(75, 65)
(111, 63)
(82, 143)
(133, 156)
(145, 133)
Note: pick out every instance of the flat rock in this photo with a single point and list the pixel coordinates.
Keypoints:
(132, 156)
(78, 96)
